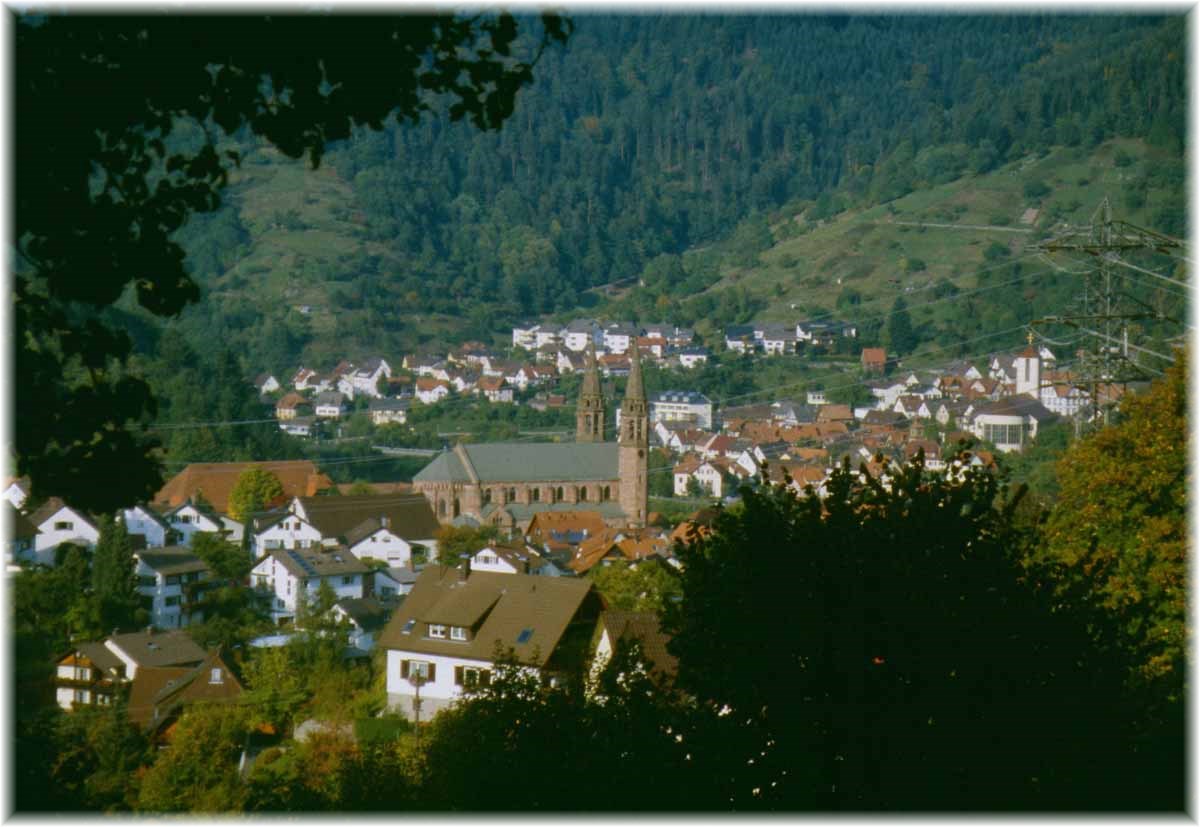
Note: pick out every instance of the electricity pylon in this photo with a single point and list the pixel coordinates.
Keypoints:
(1108, 363)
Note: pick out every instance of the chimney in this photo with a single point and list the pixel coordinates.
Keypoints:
(385, 520)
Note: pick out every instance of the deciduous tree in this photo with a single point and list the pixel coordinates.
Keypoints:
(254, 489)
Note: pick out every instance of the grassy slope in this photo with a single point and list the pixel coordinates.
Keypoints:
(867, 249)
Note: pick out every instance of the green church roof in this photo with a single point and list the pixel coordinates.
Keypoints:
(526, 462)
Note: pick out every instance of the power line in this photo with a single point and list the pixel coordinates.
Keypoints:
(1117, 260)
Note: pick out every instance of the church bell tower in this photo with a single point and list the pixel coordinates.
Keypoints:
(633, 445)
(589, 409)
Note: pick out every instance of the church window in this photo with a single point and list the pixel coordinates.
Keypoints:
(605, 494)
(512, 495)
(558, 494)
(583, 495)
(487, 496)
(535, 494)
(456, 508)
(441, 508)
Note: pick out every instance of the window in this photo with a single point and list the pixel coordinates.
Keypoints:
(64, 525)
(214, 676)
(458, 633)
(412, 670)
(173, 580)
(184, 518)
(174, 600)
(145, 581)
(348, 580)
(408, 626)
(469, 676)
(583, 495)
(535, 495)
(437, 630)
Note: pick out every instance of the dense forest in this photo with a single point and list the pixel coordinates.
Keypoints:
(648, 140)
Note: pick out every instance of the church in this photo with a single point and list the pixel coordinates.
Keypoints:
(505, 483)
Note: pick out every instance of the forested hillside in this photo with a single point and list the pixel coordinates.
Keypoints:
(654, 136)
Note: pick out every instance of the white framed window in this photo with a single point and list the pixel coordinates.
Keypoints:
(215, 676)
(64, 525)
(458, 633)
(437, 630)
(348, 580)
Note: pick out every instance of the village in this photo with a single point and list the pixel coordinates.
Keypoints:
(546, 515)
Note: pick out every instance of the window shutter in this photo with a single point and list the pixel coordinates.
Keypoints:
(458, 676)
(432, 673)
(403, 670)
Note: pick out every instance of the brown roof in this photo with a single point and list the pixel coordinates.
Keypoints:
(644, 628)
(409, 516)
(834, 413)
(19, 526)
(318, 561)
(291, 400)
(52, 505)
(526, 612)
(165, 689)
(874, 356)
(215, 481)
(544, 522)
(172, 560)
(159, 648)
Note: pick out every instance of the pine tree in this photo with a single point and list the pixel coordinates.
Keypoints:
(113, 581)
(901, 336)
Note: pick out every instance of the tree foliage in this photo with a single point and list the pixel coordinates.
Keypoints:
(113, 582)
(255, 488)
(455, 541)
(882, 645)
(100, 190)
(1115, 545)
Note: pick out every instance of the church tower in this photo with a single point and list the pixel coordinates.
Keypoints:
(589, 409)
(633, 445)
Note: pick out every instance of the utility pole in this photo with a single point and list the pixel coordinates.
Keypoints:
(1107, 363)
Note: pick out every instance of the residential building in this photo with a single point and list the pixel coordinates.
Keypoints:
(144, 521)
(619, 336)
(290, 577)
(494, 389)
(59, 523)
(159, 694)
(329, 405)
(617, 628)
(576, 336)
(741, 338)
(88, 675)
(290, 406)
(1010, 423)
(690, 357)
(191, 518)
(20, 537)
(389, 411)
(171, 580)
(874, 359)
(443, 637)
(17, 491)
(682, 406)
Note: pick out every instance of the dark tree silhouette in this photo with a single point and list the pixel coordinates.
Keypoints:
(103, 179)
(884, 646)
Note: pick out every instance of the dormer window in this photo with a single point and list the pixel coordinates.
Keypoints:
(437, 630)
(214, 676)
(458, 633)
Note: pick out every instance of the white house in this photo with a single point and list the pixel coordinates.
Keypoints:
(188, 519)
(298, 426)
(366, 618)
(375, 540)
(577, 334)
(442, 638)
(430, 390)
(266, 383)
(365, 380)
(777, 341)
(329, 405)
(690, 357)
(815, 398)
(287, 531)
(525, 336)
(619, 336)
(288, 576)
(143, 520)
(20, 537)
(58, 523)
(1011, 422)
(389, 411)
(388, 527)
(741, 338)
(167, 578)
(681, 406)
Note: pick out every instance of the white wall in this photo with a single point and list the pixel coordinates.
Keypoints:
(291, 532)
(49, 537)
(138, 522)
(383, 545)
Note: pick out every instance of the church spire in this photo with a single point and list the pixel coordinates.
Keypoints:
(634, 445)
(634, 389)
(589, 410)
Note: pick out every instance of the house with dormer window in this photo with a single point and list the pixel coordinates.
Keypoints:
(443, 638)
